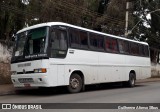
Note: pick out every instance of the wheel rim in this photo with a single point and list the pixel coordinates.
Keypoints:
(74, 83)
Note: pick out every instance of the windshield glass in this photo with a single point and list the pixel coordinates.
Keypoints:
(36, 41)
(21, 38)
(31, 42)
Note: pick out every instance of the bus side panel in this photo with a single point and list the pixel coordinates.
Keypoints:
(141, 65)
(53, 72)
(60, 74)
(146, 70)
(97, 67)
(72, 68)
(84, 61)
(111, 67)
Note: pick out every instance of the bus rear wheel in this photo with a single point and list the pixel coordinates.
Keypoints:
(131, 81)
(75, 83)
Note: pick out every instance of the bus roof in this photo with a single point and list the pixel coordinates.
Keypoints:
(78, 27)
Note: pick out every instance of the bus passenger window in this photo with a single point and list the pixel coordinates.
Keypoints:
(111, 45)
(58, 43)
(74, 38)
(134, 48)
(141, 50)
(96, 42)
(83, 39)
(123, 46)
(146, 49)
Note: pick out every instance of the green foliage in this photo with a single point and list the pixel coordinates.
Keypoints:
(103, 15)
(150, 34)
(10, 21)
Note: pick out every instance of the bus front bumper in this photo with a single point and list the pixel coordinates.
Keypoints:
(30, 80)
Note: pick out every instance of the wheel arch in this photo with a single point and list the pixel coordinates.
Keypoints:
(80, 73)
(132, 71)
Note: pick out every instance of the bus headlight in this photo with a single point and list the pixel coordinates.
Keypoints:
(40, 70)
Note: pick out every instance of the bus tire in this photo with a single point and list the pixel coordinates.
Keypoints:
(75, 83)
(131, 81)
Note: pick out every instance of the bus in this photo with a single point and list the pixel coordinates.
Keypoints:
(59, 54)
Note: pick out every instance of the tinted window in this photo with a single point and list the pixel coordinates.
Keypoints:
(96, 42)
(111, 45)
(20, 44)
(141, 50)
(134, 48)
(83, 39)
(74, 38)
(58, 43)
(123, 46)
(146, 49)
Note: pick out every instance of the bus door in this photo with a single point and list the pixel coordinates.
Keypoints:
(58, 51)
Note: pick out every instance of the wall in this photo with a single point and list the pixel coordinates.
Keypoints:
(155, 70)
(5, 57)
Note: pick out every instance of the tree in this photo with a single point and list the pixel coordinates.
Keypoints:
(10, 21)
(147, 29)
(102, 6)
(151, 32)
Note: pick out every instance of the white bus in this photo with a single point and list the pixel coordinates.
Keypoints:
(59, 54)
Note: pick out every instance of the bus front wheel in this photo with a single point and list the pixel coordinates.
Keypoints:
(75, 83)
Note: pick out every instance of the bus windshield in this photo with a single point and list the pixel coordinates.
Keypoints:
(31, 43)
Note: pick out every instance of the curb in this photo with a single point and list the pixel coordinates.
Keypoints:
(148, 80)
(7, 93)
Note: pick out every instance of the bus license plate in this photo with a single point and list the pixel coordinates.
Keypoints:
(25, 80)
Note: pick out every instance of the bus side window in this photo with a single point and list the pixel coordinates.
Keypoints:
(58, 43)
(74, 38)
(141, 50)
(123, 46)
(54, 40)
(100, 42)
(63, 40)
(83, 39)
(96, 42)
(111, 45)
(134, 48)
(114, 45)
(126, 47)
(108, 45)
(146, 49)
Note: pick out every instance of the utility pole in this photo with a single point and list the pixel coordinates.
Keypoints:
(126, 19)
